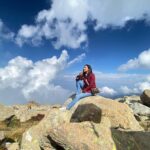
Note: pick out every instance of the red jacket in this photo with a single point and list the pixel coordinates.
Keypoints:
(89, 83)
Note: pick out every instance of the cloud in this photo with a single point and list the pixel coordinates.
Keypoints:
(23, 80)
(64, 23)
(77, 59)
(125, 90)
(137, 88)
(142, 62)
(5, 33)
(42, 81)
(107, 91)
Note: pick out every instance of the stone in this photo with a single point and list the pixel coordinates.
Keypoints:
(86, 112)
(119, 114)
(140, 109)
(5, 112)
(146, 125)
(145, 97)
(25, 113)
(2, 135)
(129, 99)
(131, 140)
(69, 130)
(13, 146)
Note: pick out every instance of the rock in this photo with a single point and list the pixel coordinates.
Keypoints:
(25, 113)
(13, 146)
(140, 109)
(86, 112)
(145, 97)
(2, 135)
(91, 136)
(56, 106)
(119, 114)
(56, 132)
(5, 112)
(129, 99)
(145, 125)
(138, 140)
(69, 130)
(36, 136)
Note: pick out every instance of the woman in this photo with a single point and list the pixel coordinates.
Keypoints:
(85, 81)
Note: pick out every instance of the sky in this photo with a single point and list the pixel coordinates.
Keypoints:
(44, 44)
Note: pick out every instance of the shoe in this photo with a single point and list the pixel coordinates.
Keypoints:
(62, 109)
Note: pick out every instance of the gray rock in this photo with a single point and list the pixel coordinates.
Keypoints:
(145, 97)
(140, 109)
(129, 99)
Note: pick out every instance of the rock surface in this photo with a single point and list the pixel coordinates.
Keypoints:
(129, 99)
(94, 123)
(75, 130)
(145, 97)
(5, 112)
(140, 109)
(26, 112)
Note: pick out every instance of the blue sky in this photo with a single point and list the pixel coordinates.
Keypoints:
(44, 44)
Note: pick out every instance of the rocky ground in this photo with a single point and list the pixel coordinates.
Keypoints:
(94, 123)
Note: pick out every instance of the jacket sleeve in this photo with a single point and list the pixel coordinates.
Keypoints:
(91, 83)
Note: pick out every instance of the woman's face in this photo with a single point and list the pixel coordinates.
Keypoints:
(85, 69)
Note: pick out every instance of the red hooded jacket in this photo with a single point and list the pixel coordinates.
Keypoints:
(89, 83)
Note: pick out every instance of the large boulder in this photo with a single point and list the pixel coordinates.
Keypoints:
(145, 97)
(119, 114)
(56, 132)
(37, 138)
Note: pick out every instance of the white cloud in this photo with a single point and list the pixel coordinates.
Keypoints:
(22, 79)
(5, 33)
(143, 62)
(77, 59)
(108, 91)
(125, 90)
(64, 23)
(33, 80)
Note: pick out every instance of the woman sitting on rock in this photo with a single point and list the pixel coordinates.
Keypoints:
(85, 82)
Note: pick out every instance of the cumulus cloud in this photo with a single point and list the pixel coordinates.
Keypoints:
(77, 59)
(22, 79)
(107, 91)
(5, 33)
(143, 62)
(64, 23)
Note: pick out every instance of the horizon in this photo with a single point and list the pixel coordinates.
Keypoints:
(44, 44)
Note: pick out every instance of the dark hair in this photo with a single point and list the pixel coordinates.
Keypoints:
(89, 67)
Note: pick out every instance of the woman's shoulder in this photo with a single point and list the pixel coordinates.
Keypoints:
(92, 74)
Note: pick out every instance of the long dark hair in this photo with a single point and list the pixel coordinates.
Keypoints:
(90, 69)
